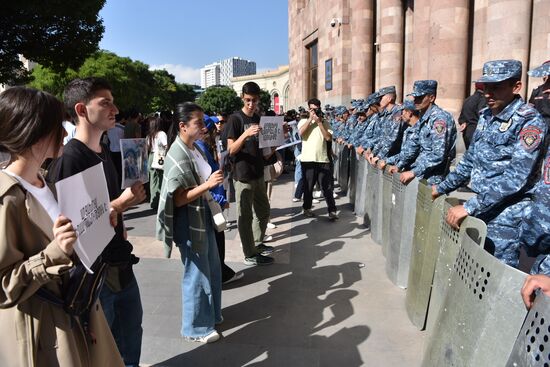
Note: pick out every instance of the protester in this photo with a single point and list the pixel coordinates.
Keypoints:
(297, 151)
(37, 246)
(208, 147)
(132, 129)
(503, 162)
(185, 219)
(469, 115)
(114, 135)
(157, 140)
(315, 133)
(241, 133)
(91, 104)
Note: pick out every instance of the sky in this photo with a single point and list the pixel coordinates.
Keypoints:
(182, 36)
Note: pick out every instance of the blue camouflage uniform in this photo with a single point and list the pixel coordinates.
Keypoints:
(392, 133)
(410, 147)
(437, 139)
(535, 227)
(502, 164)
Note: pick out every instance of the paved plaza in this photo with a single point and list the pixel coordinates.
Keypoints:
(325, 302)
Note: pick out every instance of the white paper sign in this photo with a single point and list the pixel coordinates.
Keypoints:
(292, 137)
(272, 134)
(84, 199)
(134, 161)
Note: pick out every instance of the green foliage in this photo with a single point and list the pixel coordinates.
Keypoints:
(134, 85)
(58, 34)
(265, 100)
(219, 99)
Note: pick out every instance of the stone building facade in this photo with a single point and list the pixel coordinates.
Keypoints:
(276, 82)
(345, 49)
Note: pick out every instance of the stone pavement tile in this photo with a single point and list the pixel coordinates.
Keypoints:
(327, 301)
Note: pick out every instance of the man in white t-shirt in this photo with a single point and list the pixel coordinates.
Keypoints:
(315, 132)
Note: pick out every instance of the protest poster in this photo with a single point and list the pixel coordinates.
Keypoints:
(272, 133)
(292, 137)
(84, 199)
(134, 161)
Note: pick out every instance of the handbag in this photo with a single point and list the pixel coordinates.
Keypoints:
(220, 223)
(158, 157)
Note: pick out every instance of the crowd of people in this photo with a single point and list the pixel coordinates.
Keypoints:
(196, 160)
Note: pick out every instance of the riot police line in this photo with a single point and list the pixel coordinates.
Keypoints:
(466, 300)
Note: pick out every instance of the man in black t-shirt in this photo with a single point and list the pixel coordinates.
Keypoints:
(90, 103)
(241, 133)
(469, 115)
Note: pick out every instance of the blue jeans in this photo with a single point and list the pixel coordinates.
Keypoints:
(298, 179)
(124, 314)
(201, 286)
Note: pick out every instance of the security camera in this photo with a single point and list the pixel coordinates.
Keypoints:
(334, 22)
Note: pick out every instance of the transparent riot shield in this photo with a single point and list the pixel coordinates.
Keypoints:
(448, 250)
(482, 311)
(372, 185)
(398, 254)
(424, 253)
(376, 217)
(386, 210)
(532, 347)
(344, 170)
(361, 187)
(352, 176)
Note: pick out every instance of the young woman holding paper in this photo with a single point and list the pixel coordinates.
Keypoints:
(36, 245)
(184, 218)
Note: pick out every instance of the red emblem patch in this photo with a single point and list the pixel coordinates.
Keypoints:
(440, 127)
(530, 137)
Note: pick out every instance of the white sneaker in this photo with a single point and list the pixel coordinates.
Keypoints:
(332, 216)
(295, 200)
(271, 225)
(315, 201)
(268, 239)
(234, 278)
(210, 338)
(335, 195)
(317, 194)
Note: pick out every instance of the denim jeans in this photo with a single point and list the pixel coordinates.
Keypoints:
(201, 286)
(298, 179)
(124, 314)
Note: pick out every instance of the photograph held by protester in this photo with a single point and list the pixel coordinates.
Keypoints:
(36, 246)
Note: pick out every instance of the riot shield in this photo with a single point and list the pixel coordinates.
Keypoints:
(424, 253)
(376, 217)
(448, 249)
(361, 187)
(482, 311)
(386, 210)
(398, 254)
(352, 176)
(532, 347)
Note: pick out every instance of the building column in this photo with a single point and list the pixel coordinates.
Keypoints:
(391, 45)
(421, 39)
(361, 48)
(479, 44)
(448, 57)
(540, 41)
(508, 31)
(408, 78)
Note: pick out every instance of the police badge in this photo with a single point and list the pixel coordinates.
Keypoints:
(439, 127)
(504, 126)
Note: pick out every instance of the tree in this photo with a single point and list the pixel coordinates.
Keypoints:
(57, 34)
(50, 81)
(168, 92)
(265, 100)
(132, 81)
(219, 99)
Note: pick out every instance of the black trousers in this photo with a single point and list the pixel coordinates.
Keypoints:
(313, 171)
(227, 272)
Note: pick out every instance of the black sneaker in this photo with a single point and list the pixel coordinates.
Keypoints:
(264, 249)
(258, 260)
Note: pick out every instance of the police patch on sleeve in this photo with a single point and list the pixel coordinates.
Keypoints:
(439, 127)
(530, 137)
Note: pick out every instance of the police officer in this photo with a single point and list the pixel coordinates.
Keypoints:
(540, 97)
(411, 142)
(437, 137)
(502, 163)
(368, 139)
(392, 126)
(535, 227)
